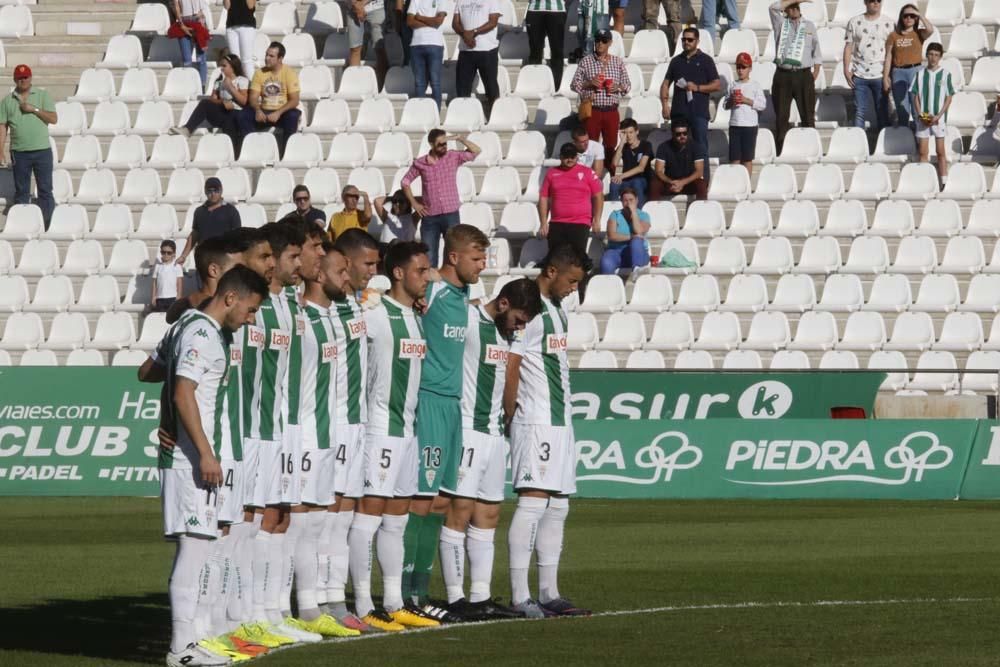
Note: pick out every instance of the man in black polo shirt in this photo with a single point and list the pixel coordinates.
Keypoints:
(691, 77)
(212, 219)
(304, 208)
(680, 165)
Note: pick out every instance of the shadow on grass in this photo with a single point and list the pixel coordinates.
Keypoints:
(135, 629)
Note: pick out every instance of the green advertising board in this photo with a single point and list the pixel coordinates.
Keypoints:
(982, 476)
(604, 394)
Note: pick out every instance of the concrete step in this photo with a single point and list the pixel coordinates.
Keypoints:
(69, 55)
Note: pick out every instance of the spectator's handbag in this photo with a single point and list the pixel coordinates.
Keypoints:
(586, 109)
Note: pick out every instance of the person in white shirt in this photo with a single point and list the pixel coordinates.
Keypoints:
(426, 18)
(590, 153)
(168, 279)
(475, 22)
(745, 98)
(864, 62)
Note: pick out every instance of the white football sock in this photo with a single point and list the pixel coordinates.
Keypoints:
(192, 554)
(240, 607)
(339, 556)
(360, 537)
(275, 577)
(208, 592)
(288, 567)
(261, 574)
(390, 559)
(453, 563)
(220, 624)
(521, 542)
(307, 567)
(548, 548)
(479, 544)
(322, 554)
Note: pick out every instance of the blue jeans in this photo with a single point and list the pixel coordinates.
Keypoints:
(709, 15)
(39, 162)
(637, 183)
(425, 61)
(627, 256)
(869, 91)
(432, 228)
(186, 45)
(585, 38)
(902, 79)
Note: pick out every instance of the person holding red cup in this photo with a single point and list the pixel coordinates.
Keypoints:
(744, 99)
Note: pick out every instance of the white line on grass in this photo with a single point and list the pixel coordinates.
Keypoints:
(661, 610)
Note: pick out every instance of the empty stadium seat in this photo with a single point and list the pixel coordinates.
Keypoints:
(154, 326)
(802, 146)
(719, 331)
(743, 359)
(368, 179)
(605, 294)
(985, 75)
(624, 331)
(698, 293)
(645, 360)
(39, 257)
(915, 254)
(23, 331)
(69, 331)
(13, 294)
(937, 293)
(518, 219)
(750, 219)
(934, 360)
(771, 255)
(109, 119)
(581, 331)
(53, 294)
(236, 182)
(527, 149)
(138, 85)
(820, 255)
(98, 294)
(375, 115)
(694, 359)
(867, 255)
(966, 180)
(842, 293)
(651, 294)
(870, 182)
(911, 331)
(329, 117)
(127, 258)
(746, 294)
(889, 293)
(275, 185)
(847, 145)
(776, 183)
(823, 182)
(509, 114)
(357, 83)
(348, 149)
(982, 361)
(598, 359)
(141, 186)
(24, 221)
(815, 331)
(704, 219)
(961, 332)
(793, 294)
(113, 331)
(845, 218)
(982, 295)
(797, 219)
(725, 256)
(895, 144)
(501, 185)
(123, 52)
(38, 358)
(81, 152)
(730, 182)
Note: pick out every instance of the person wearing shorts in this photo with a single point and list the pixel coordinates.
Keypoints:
(744, 99)
(617, 8)
(932, 94)
(543, 455)
(368, 18)
(478, 487)
(439, 411)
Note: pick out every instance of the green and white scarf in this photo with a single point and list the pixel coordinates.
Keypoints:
(791, 44)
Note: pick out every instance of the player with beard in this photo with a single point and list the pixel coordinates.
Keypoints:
(478, 491)
(543, 451)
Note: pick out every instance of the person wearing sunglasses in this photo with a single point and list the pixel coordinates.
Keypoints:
(168, 279)
(798, 62)
(903, 55)
(212, 219)
(679, 168)
(602, 80)
(304, 209)
(864, 62)
(357, 212)
(691, 78)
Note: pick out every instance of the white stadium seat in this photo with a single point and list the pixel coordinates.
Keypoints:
(820, 255)
(69, 331)
(911, 331)
(645, 360)
(790, 360)
(95, 85)
(186, 186)
(479, 215)
(127, 258)
(113, 331)
(698, 294)
(982, 361)
(745, 294)
(279, 18)
(72, 119)
(863, 331)
(24, 222)
(141, 186)
(83, 258)
(138, 85)
(694, 359)
(935, 360)
(867, 255)
(260, 149)
(771, 255)
(895, 144)
(845, 218)
(38, 358)
(38, 258)
(509, 114)
(375, 115)
(768, 331)
(13, 294)
(303, 151)
(85, 357)
(750, 219)
(501, 185)
(671, 331)
(937, 293)
(534, 82)
(53, 294)
(581, 331)
(815, 331)
(966, 180)
(870, 182)
(961, 332)
(719, 331)
(419, 114)
(838, 360)
(605, 294)
(129, 358)
(154, 326)
(744, 359)
(624, 331)
(124, 52)
(598, 359)
(151, 18)
(798, 219)
(236, 182)
(889, 293)
(704, 219)
(329, 117)
(847, 145)
(725, 256)
(776, 183)
(274, 186)
(23, 331)
(793, 294)
(985, 75)
(651, 294)
(127, 151)
(348, 149)
(841, 293)
(915, 254)
(823, 182)
(730, 182)
(982, 295)
(802, 146)
(357, 83)
(918, 181)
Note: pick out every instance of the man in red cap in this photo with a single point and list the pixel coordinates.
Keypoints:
(27, 113)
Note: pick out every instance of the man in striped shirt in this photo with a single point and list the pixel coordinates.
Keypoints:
(932, 93)
(546, 20)
(543, 450)
(396, 350)
(477, 490)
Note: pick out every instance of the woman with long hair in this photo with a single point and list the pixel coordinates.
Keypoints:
(626, 229)
(904, 53)
(229, 95)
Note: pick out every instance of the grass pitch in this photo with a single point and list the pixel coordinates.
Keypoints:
(83, 582)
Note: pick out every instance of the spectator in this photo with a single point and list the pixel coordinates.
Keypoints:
(590, 153)
(903, 55)
(438, 173)
(680, 166)
(212, 219)
(546, 20)
(273, 98)
(651, 17)
(744, 99)
(357, 212)
(168, 279)
(592, 19)
(631, 163)
(600, 81)
(797, 52)
(573, 194)
(192, 32)
(241, 32)
(426, 19)
(26, 114)
(368, 16)
(709, 15)
(617, 9)
(932, 93)
(693, 76)
(222, 108)
(626, 231)
(475, 22)
(304, 208)
(399, 223)
(864, 62)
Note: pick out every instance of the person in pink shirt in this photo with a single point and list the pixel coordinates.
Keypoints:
(575, 197)
(438, 172)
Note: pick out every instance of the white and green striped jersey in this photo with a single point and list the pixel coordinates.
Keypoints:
(546, 6)
(265, 363)
(352, 361)
(934, 87)
(318, 385)
(396, 348)
(202, 356)
(543, 392)
(484, 369)
(291, 391)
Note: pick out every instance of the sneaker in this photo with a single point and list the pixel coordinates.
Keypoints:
(327, 626)
(182, 131)
(410, 619)
(379, 619)
(493, 610)
(563, 607)
(196, 656)
(354, 623)
(531, 609)
(293, 628)
(259, 633)
(250, 648)
(226, 649)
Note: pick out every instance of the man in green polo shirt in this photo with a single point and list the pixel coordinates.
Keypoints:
(27, 113)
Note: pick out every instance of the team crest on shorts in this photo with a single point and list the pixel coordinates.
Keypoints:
(429, 475)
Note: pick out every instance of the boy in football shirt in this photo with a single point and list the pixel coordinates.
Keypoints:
(543, 451)
(444, 317)
(478, 489)
(933, 92)
(191, 473)
(361, 254)
(396, 350)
